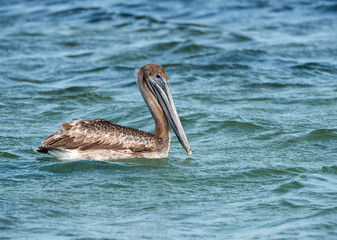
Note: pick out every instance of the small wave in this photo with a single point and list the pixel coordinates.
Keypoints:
(28, 34)
(216, 126)
(284, 188)
(78, 55)
(201, 55)
(112, 185)
(90, 96)
(207, 67)
(193, 47)
(141, 17)
(326, 211)
(177, 47)
(8, 222)
(193, 31)
(277, 85)
(72, 89)
(264, 172)
(164, 46)
(187, 24)
(331, 169)
(239, 37)
(290, 203)
(96, 69)
(128, 56)
(313, 66)
(319, 138)
(73, 11)
(99, 16)
(245, 125)
(327, 8)
(70, 43)
(321, 134)
(283, 8)
(70, 93)
(9, 155)
(25, 80)
(72, 100)
(242, 55)
(269, 172)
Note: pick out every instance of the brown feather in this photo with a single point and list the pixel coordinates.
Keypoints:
(100, 134)
(65, 126)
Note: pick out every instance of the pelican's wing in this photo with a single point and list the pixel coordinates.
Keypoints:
(98, 134)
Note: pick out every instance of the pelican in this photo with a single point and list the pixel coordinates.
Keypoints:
(100, 139)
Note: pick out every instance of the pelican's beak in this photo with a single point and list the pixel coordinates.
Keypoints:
(159, 88)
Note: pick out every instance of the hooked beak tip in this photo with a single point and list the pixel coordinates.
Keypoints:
(189, 152)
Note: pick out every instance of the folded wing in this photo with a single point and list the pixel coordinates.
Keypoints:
(99, 134)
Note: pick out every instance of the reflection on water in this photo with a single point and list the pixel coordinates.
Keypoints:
(103, 164)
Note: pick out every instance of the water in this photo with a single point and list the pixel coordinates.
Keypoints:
(255, 86)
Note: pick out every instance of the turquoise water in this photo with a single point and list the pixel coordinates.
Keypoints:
(254, 83)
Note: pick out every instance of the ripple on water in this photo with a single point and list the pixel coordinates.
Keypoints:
(207, 69)
(71, 12)
(327, 8)
(96, 69)
(191, 47)
(70, 43)
(274, 174)
(85, 94)
(72, 89)
(239, 37)
(277, 85)
(8, 222)
(316, 67)
(244, 55)
(9, 155)
(232, 125)
(290, 186)
(79, 54)
(330, 169)
(101, 15)
(319, 136)
(294, 203)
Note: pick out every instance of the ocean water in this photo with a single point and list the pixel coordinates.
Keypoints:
(254, 83)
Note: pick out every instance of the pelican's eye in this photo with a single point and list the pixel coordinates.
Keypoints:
(158, 76)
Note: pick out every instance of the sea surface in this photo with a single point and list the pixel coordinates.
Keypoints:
(254, 83)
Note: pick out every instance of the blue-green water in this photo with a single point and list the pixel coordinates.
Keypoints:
(255, 86)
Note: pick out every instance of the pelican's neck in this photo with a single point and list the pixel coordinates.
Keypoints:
(161, 125)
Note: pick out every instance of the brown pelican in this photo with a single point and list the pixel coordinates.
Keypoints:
(100, 139)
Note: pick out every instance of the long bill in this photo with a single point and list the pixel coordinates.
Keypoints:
(162, 93)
